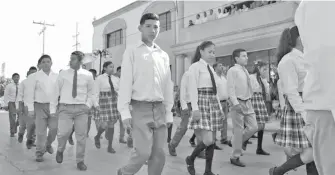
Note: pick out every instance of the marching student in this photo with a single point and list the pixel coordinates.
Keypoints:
(106, 88)
(147, 87)
(316, 31)
(186, 110)
(38, 103)
(122, 129)
(223, 97)
(207, 114)
(26, 121)
(292, 72)
(185, 103)
(280, 109)
(261, 89)
(10, 99)
(242, 112)
(74, 86)
(91, 112)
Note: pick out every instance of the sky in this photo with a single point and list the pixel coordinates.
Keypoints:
(21, 44)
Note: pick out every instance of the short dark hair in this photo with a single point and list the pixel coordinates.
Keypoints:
(42, 57)
(32, 68)
(118, 68)
(236, 53)
(149, 16)
(15, 74)
(79, 54)
(93, 71)
(216, 65)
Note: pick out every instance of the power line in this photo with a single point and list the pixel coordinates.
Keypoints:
(43, 30)
(76, 37)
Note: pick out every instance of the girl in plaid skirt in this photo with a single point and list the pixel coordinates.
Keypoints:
(207, 115)
(106, 115)
(291, 136)
(260, 88)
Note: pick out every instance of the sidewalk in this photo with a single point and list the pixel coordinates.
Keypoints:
(7, 167)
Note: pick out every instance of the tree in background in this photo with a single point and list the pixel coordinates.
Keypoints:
(3, 83)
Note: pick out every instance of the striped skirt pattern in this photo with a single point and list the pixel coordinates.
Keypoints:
(108, 111)
(291, 133)
(211, 113)
(260, 109)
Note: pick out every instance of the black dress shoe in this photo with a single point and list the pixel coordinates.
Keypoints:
(237, 162)
(49, 149)
(59, 157)
(190, 166)
(71, 141)
(81, 166)
(172, 150)
(97, 142)
(230, 144)
(262, 152)
(192, 143)
(111, 150)
(39, 158)
(29, 144)
(253, 136)
(274, 135)
(20, 138)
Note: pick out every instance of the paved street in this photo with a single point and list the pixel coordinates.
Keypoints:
(16, 159)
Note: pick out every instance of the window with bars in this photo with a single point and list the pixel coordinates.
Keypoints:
(165, 21)
(115, 38)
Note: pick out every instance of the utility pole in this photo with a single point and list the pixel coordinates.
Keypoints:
(43, 30)
(76, 36)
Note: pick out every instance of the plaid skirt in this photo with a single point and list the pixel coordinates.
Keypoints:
(260, 109)
(107, 108)
(291, 133)
(211, 114)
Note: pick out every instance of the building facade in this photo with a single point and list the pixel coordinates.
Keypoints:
(185, 24)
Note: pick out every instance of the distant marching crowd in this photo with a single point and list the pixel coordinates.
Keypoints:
(141, 98)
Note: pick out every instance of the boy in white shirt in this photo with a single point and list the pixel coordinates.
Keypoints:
(39, 105)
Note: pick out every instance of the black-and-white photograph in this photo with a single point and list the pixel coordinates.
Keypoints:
(167, 87)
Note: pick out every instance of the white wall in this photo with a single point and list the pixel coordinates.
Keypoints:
(133, 36)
